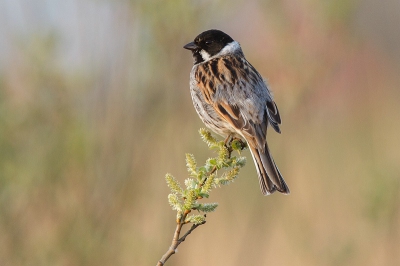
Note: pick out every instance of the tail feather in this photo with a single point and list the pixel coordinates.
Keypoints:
(269, 175)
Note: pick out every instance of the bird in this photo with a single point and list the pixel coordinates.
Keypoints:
(233, 100)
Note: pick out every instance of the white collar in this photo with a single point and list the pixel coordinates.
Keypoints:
(230, 48)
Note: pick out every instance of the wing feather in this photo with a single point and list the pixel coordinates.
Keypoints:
(238, 93)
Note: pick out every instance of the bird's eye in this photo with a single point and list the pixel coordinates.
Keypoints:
(208, 43)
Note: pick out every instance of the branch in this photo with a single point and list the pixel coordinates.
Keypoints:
(176, 241)
(203, 180)
(194, 226)
(210, 173)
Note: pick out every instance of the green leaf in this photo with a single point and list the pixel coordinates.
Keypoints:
(207, 207)
(239, 161)
(212, 161)
(204, 195)
(202, 169)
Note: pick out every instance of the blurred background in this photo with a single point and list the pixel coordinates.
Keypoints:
(95, 109)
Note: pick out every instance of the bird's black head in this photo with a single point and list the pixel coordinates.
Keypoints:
(208, 44)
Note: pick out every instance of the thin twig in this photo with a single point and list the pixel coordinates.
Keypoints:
(176, 241)
(210, 173)
(194, 226)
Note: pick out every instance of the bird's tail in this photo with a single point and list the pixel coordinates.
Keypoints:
(268, 173)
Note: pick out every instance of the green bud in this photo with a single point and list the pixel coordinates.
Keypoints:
(190, 199)
(208, 138)
(208, 184)
(173, 184)
(196, 219)
(174, 202)
(191, 164)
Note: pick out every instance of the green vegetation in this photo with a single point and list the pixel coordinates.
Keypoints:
(203, 180)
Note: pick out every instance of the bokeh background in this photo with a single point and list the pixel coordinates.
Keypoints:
(95, 109)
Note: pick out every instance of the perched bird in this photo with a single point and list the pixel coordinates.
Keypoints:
(233, 100)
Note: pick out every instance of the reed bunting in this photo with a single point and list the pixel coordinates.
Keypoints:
(233, 100)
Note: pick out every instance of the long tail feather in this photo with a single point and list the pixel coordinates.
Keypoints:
(269, 176)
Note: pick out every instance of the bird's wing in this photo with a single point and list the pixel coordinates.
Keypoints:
(237, 92)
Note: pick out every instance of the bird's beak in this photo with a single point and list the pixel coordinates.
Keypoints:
(191, 46)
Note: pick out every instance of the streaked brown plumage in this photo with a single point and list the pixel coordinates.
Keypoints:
(232, 99)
